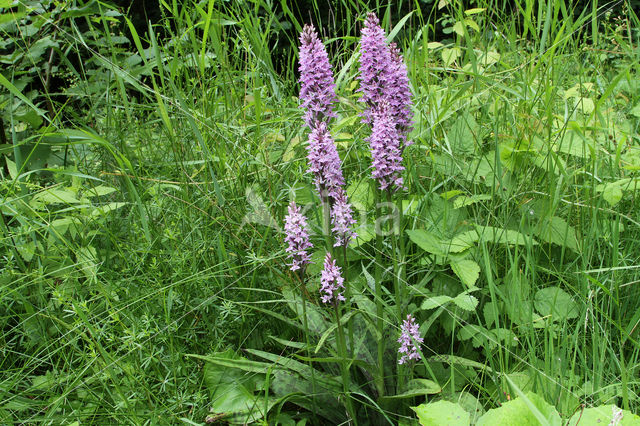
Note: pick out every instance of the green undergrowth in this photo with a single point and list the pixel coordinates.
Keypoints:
(145, 177)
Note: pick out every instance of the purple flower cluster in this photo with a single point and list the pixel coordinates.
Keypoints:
(408, 339)
(332, 281)
(342, 220)
(297, 237)
(324, 161)
(385, 152)
(317, 90)
(384, 84)
(318, 96)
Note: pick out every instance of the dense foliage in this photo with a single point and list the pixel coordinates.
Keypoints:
(155, 191)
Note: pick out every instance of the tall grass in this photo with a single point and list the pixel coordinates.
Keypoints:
(532, 116)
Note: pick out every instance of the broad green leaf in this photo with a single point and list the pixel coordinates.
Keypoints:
(436, 301)
(458, 27)
(612, 194)
(468, 200)
(11, 166)
(427, 241)
(55, 196)
(366, 232)
(518, 413)
(99, 191)
(556, 230)
(462, 134)
(474, 11)
(466, 301)
(478, 335)
(449, 55)
(555, 302)
(471, 23)
(418, 387)
(604, 415)
(491, 234)
(467, 270)
(107, 208)
(441, 413)
(360, 194)
(463, 241)
(232, 391)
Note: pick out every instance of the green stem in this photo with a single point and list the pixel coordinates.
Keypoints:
(397, 285)
(308, 343)
(379, 307)
(347, 294)
(344, 367)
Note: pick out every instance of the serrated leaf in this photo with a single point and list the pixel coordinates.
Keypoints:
(466, 301)
(467, 270)
(555, 302)
(441, 413)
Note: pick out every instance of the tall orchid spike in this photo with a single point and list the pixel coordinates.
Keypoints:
(386, 152)
(317, 88)
(383, 77)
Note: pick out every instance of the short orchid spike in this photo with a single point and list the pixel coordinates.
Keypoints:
(297, 237)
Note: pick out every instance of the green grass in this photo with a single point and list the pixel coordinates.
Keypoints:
(142, 207)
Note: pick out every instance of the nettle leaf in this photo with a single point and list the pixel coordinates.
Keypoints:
(441, 413)
(467, 270)
(466, 302)
(555, 302)
(604, 415)
(518, 413)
